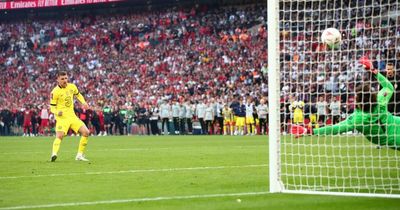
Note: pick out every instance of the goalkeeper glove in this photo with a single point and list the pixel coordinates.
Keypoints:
(299, 131)
(367, 64)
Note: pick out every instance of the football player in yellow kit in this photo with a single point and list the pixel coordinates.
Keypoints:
(62, 106)
(228, 119)
(297, 109)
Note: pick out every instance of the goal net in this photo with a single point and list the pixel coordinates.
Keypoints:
(314, 86)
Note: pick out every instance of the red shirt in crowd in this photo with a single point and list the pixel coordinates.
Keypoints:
(27, 117)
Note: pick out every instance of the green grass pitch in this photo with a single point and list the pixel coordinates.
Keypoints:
(157, 172)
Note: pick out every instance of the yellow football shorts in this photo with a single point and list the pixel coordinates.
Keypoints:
(240, 121)
(228, 122)
(65, 124)
(313, 118)
(249, 120)
(298, 118)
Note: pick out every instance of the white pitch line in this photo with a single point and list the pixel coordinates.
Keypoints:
(183, 197)
(125, 149)
(360, 187)
(136, 171)
(325, 164)
(93, 150)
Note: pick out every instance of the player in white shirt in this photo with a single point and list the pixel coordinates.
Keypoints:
(262, 111)
(44, 121)
(218, 115)
(190, 109)
(335, 110)
(209, 117)
(175, 116)
(182, 118)
(165, 114)
(200, 112)
(322, 107)
(250, 123)
(154, 116)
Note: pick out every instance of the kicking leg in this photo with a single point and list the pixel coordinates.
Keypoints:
(84, 131)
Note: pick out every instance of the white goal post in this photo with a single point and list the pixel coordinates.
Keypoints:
(301, 68)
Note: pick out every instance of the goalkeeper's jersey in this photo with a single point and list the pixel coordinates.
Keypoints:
(62, 99)
(297, 107)
(227, 114)
(379, 127)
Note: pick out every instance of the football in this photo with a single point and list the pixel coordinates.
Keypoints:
(331, 36)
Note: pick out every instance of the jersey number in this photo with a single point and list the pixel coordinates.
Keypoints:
(68, 101)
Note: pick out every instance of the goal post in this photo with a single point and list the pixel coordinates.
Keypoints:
(273, 95)
(321, 82)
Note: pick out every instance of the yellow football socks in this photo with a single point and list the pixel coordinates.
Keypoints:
(56, 145)
(224, 129)
(82, 144)
(250, 129)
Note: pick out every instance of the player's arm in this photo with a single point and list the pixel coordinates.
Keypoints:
(291, 106)
(53, 103)
(301, 105)
(79, 96)
(326, 108)
(387, 89)
(344, 126)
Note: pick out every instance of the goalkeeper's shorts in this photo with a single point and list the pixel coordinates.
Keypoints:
(298, 118)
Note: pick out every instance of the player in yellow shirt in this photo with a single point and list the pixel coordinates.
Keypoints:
(313, 115)
(240, 112)
(297, 107)
(250, 122)
(228, 119)
(62, 106)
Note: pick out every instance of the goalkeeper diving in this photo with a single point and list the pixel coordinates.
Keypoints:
(371, 116)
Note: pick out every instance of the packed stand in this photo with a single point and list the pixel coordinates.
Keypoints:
(127, 64)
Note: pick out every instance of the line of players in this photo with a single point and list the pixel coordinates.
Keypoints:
(319, 113)
(238, 117)
(235, 118)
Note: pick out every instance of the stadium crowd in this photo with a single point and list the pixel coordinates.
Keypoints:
(130, 65)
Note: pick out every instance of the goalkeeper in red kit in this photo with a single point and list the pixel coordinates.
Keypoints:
(371, 116)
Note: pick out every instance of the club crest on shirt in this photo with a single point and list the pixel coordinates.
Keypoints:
(59, 127)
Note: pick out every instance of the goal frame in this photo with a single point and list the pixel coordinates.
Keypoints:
(275, 183)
